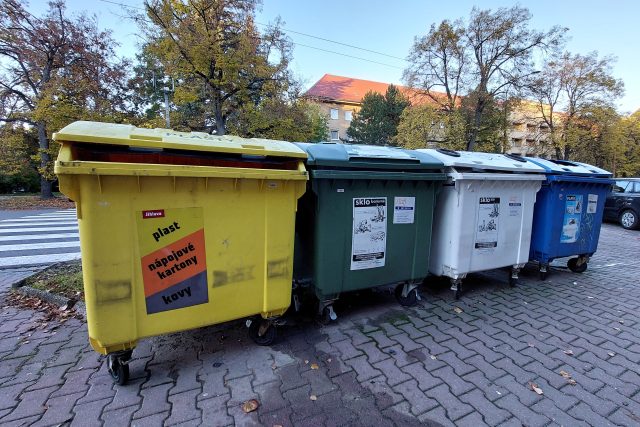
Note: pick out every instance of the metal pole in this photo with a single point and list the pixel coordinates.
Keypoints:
(166, 107)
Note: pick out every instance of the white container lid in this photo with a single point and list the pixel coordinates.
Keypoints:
(462, 161)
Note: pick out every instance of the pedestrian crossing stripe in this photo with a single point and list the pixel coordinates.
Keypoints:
(38, 224)
(40, 237)
(36, 246)
(37, 259)
(37, 229)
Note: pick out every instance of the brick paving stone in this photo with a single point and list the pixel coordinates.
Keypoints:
(88, 414)
(393, 374)
(375, 363)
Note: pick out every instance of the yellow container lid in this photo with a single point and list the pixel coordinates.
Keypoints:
(131, 136)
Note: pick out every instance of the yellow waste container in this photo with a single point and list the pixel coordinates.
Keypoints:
(179, 230)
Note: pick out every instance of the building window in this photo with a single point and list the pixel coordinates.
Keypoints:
(334, 114)
(348, 115)
(334, 135)
(516, 142)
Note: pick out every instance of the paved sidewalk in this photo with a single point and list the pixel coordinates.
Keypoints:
(379, 364)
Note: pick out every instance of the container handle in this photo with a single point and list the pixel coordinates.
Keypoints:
(448, 152)
(516, 157)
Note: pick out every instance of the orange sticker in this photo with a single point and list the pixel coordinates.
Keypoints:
(174, 263)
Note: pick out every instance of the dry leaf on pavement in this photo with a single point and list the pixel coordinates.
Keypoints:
(534, 387)
(314, 366)
(313, 397)
(457, 310)
(250, 406)
(568, 352)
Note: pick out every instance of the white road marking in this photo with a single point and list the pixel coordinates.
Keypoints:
(38, 224)
(37, 229)
(38, 259)
(36, 246)
(39, 237)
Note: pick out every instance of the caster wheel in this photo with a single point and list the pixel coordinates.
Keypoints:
(328, 315)
(573, 266)
(456, 294)
(410, 300)
(260, 335)
(119, 371)
(513, 282)
(543, 275)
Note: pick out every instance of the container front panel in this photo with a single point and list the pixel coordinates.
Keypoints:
(567, 219)
(482, 225)
(164, 254)
(368, 233)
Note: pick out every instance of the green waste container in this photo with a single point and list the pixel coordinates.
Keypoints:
(364, 222)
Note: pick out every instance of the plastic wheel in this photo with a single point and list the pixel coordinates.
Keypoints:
(456, 294)
(268, 335)
(513, 282)
(629, 220)
(410, 300)
(543, 275)
(573, 266)
(119, 371)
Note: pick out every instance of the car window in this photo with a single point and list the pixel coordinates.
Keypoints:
(620, 186)
(634, 187)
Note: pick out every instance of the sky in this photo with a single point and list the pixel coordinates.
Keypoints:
(608, 27)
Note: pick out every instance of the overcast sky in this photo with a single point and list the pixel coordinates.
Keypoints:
(609, 27)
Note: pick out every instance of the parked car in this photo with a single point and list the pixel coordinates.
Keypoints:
(623, 203)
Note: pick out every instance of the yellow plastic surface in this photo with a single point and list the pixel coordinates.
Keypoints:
(117, 134)
(238, 221)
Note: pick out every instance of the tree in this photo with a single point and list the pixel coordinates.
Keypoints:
(567, 88)
(488, 56)
(377, 121)
(220, 62)
(288, 120)
(629, 164)
(55, 70)
(438, 61)
(427, 126)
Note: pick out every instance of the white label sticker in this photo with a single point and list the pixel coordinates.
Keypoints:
(487, 225)
(369, 243)
(404, 209)
(592, 205)
(515, 206)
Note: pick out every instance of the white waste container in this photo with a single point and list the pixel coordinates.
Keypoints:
(483, 214)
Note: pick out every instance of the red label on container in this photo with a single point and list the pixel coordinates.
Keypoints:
(153, 214)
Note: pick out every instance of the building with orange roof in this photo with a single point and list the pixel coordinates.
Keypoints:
(340, 97)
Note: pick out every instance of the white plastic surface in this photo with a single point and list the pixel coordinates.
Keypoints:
(483, 161)
(459, 245)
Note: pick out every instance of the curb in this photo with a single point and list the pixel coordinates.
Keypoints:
(55, 299)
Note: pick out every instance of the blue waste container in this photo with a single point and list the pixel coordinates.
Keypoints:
(568, 212)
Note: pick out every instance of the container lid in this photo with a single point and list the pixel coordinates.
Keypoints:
(483, 162)
(131, 136)
(354, 156)
(566, 167)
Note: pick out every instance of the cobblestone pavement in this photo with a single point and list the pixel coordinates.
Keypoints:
(377, 365)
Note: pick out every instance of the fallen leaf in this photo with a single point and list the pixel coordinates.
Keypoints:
(531, 345)
(568, 352)
(572, 381)
(457, 310)
(534, 387)
(329, 360)
(499, 394)
(433, 357)
(621, 322)
(589, 297)
(611, 353)
(313, 397)
(250, 406)
(616, 329)
(277, 425)
(314, 366)
(565, 374)
(306, 362)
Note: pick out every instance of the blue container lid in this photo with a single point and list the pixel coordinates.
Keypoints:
(354, 156)
(567, 167)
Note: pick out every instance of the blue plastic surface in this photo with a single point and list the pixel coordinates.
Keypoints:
(568, 212)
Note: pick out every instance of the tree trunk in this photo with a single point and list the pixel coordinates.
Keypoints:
(566, 152)
(45, 161)
(558, 153)
(477, 120)
(221, 128)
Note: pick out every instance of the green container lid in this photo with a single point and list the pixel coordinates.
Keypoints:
(353, 156)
